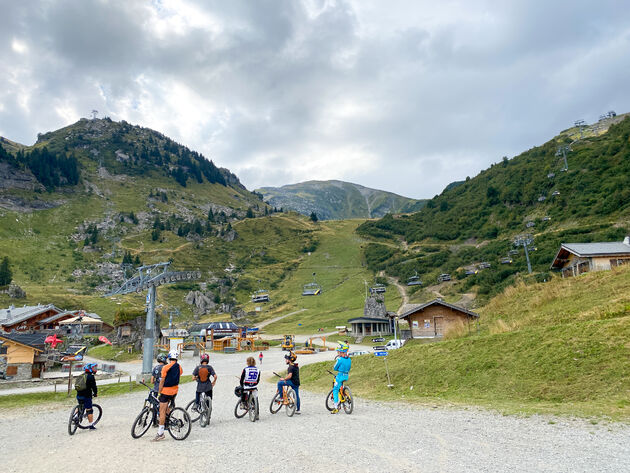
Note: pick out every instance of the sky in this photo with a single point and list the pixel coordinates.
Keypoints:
(404, 96)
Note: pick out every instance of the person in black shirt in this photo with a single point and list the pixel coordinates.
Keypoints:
(292, 378)
(85, 395)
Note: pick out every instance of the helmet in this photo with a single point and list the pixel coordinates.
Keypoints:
(291, 357)
(161, 358)
(90, 367)
(343, 347)
(238, 391)
(204, 357)
(173, 355)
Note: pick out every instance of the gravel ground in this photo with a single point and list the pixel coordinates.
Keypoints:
(377, 437)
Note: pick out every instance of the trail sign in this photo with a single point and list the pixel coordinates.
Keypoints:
(377, 340)
(72, 358)
(380, 353)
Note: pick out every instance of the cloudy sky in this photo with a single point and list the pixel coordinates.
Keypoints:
(405, 96)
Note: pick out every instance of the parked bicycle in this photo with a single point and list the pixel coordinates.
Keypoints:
(247, 406)
(79, 418)
(201, 412)
(285, 398)
(177, 421)
(345, 397)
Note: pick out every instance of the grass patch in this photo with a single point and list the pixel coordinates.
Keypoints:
(111, 353)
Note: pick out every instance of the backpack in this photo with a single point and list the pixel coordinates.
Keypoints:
(203, 374)
(81, 383)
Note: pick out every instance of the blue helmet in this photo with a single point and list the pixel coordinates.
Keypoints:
(90, 367)
(343, 347)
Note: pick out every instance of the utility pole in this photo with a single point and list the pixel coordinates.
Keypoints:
(149, 278)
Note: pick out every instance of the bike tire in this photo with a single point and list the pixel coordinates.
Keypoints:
(204, 417)
(239, 410)
(179, 423)
(97, 413)
(142, 423)
(73, 421)
(194, 416)
(292, 405)
(252, 408)
(330, 401)
(348, 403)
(276, 403)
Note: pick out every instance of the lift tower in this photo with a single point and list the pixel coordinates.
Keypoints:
(525, 240)
(148, 278)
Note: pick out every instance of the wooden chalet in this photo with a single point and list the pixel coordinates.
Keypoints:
(20, 352)
(30, 318)
(432, 319)
(574, 259)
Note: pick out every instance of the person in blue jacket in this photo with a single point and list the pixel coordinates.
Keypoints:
(342, 366)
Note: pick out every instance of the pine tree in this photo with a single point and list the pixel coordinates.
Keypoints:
(6, 275)
(314, 217)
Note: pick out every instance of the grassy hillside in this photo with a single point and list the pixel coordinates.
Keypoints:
(338, 200)
(559, 347)
(478, 219)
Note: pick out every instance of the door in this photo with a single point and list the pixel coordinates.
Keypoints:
(368, 329)
(438, 322)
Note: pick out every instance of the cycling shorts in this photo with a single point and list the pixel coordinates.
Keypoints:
(86, 401)
(168, 398)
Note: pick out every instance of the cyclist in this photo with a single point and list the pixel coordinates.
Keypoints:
(84, 396)
(342, 366)
(156, 374)
(292, 378)
(202, 375)
(169, 385)
(249, 380)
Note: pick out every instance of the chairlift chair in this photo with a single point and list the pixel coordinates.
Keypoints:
(414, 280)
(506, 260)
(312, 288)
(378, 289)
(261, 295)
(444, 277)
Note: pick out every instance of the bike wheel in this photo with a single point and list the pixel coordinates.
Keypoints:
(292, 405)
(240, 410)
(204, 417)
(84, 422)
(194, 415)
(73, 422)
(330, 401)
(348, 403)
(178, 422)
(252, 407)
(142, 423)
(276, 403)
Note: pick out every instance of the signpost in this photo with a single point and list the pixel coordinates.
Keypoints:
(377, 340)
(384, 354)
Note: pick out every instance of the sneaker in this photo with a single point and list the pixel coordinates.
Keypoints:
(334, 411)
(298, 413)
(159, 437)
(91, 427)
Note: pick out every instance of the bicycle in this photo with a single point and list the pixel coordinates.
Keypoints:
(79, 418)
(201, 412)
(248, 406)
(177, 420)
(345, 397)
(285, 398)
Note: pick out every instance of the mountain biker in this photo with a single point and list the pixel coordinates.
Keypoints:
(202, 375)
(84, 396)
(169, 385)
(249, 380)
(342, 366)
(156, 374)
(292, 378)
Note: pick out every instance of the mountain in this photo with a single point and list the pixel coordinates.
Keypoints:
(478, 220)
(337, 200)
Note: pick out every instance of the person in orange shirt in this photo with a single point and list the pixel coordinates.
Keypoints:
(169, 385)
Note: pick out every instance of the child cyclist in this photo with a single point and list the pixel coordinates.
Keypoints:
(342, 366)
(249, 380)
(203, 374)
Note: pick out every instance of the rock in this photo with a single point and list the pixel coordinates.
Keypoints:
(203, 302)
(375, 307)
(229, 236)
(16, 292)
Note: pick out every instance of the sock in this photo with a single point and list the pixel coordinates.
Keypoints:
(161, 430)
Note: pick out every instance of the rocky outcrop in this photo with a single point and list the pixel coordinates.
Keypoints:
(375, 307)
(16, 292)
(203, 303)
(14, 178)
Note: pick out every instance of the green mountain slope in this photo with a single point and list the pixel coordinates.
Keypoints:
(559, 347)
(477, 220)
(337, 200)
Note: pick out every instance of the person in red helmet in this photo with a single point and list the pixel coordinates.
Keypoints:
(205, 376)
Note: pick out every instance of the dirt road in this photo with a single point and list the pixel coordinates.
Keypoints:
(377, 437)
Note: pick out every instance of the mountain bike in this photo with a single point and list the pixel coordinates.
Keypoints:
(249, 405)
(201, 412)
(79, 418)
(285, 398)
(177, 420)
(345, 397)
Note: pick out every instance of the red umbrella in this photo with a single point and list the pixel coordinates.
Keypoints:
(53, 340)
(103, 339)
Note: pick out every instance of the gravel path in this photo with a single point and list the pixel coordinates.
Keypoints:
(377, 437)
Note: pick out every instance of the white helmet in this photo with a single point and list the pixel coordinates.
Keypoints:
(173, 355)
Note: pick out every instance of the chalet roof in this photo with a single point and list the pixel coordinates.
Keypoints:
(55, 317)
(32, 340)
(14, 315)
(589, 250)
(421, 307)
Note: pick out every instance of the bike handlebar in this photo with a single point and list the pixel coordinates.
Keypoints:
(276, 374)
